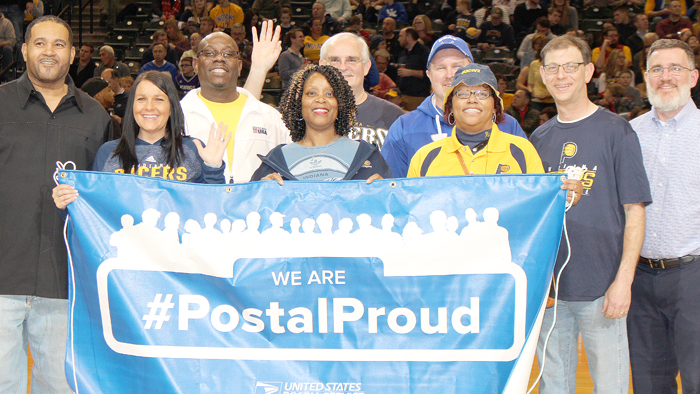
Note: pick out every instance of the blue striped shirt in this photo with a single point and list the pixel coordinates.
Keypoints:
(672, 162)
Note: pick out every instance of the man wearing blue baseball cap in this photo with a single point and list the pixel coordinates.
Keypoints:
(426, 124)
(477, 145)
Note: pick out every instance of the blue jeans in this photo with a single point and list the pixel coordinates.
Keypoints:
(605, 341)
(41, 323)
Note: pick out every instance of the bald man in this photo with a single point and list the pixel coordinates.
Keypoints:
(258, 127)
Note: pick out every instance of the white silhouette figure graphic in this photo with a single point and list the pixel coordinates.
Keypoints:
(277, 221)
(413, 252)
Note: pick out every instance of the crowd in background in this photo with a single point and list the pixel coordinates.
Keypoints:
(369, 90)
(504, 33)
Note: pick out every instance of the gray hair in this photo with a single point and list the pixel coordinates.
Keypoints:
(346, 36)
(670, 44)
(108, 49)
(382, 53)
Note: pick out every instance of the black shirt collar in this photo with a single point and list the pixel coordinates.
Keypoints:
(25, 89)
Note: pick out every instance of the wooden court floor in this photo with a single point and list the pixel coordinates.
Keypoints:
(584, 384)
(583, 378)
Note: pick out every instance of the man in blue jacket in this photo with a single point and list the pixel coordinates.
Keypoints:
(417, 128)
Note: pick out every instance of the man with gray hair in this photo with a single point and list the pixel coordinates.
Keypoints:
(107, 61)
(349, 53)
(664, 319)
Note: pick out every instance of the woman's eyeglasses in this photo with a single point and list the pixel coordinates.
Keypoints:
(480, 94)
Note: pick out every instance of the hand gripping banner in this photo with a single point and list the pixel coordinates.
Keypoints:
(426, 285)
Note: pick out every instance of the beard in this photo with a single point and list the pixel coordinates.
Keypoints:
(672, 104)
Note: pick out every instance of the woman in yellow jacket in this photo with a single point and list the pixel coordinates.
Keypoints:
(476, 146)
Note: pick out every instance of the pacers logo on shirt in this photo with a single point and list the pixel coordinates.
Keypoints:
(503, 169)
(568, 151)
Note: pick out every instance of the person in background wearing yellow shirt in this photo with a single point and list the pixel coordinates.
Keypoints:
(502, 85)
(225, 15)
(313, 43)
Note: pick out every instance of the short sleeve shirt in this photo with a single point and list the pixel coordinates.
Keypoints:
(606, 144)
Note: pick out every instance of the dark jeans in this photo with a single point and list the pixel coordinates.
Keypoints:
(663, 327)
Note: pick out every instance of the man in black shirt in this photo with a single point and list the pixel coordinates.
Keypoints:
(636, 41)
(495, 34)
(623, 22)
(392, 40)
(160, 37)
(83, 68)
(412, 81)
(525, 15)
(111, 76)
(33, 267)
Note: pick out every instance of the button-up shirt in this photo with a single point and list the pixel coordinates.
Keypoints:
(32, 139)
(671, 159)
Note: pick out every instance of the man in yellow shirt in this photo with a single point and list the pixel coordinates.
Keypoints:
(226, 15)
(660, 8)
(256, 127)
(610, 42)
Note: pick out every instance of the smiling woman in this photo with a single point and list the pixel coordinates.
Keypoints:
(319, 109)
(476, 146)
(153, 141)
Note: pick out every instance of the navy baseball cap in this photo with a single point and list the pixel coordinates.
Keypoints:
(449, 41)
(471, 75)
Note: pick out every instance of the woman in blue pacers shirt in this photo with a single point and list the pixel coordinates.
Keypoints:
(153, 141)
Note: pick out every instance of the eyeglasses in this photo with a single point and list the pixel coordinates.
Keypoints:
(480, 94)
(673, 70)
(225, 53)
(569, 68)
(351, 61)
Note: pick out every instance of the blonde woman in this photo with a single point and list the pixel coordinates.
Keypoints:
(424, 27)
(175, 37)
(616, 65)
(540, 95)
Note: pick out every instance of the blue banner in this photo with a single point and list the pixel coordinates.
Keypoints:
(425, 285)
